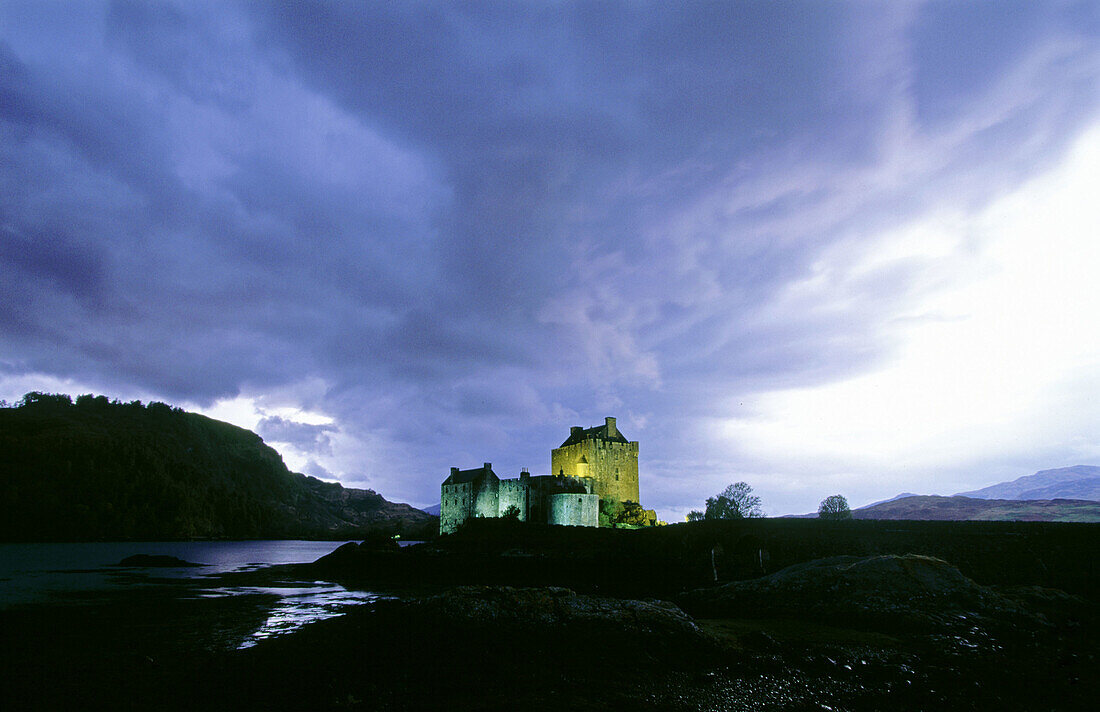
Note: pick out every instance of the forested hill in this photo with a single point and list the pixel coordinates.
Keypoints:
(104, 470)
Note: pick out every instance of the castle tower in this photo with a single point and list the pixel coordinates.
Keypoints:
(603, 455)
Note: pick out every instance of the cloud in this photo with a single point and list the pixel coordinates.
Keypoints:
(313, 469)
(302, 436)
(983, 363)
(476, 225)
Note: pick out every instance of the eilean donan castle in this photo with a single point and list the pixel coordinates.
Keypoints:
(594, 470)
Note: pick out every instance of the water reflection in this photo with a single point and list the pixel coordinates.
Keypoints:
(296, 605)
(87, 574)
(58, 572)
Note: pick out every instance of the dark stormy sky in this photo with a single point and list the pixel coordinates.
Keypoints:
(819, 247)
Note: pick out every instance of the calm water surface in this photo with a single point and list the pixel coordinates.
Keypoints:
(82, 573)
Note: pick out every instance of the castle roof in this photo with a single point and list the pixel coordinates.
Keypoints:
(600, 432)
(458, 477)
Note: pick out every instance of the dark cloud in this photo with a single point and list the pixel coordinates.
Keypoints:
(470, 221)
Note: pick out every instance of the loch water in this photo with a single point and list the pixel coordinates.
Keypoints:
(87, 574)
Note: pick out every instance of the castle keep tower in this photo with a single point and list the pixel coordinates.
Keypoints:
(603, 455)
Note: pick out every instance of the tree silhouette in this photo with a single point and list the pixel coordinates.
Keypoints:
(834, 507)
(735, 502)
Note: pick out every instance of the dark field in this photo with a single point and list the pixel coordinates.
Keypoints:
(906, 633)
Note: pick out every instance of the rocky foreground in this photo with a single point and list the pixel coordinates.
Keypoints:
(898, 632)
(888, 632)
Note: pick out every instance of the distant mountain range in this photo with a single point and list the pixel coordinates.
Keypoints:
(96, 469)
(1066, 494)
(884, 501)
(971, 508)
(1078, 482)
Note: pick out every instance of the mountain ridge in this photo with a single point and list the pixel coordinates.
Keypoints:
(96, 469)
(959, 508)
(1075, 482)
(1056, 494)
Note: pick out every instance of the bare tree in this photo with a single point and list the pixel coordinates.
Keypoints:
(735, 502)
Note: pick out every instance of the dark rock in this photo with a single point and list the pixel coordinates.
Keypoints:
(908, 589)
(155, 560)
(557, 606)
(379, 542)
(342, 552)
(559, 617)
(759, 640)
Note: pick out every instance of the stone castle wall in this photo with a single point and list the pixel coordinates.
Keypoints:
(456, 506)
(487, 503)
(467, 500)
(532, 496)
(513, 493)
(574, 510)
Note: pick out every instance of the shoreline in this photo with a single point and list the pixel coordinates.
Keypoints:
(483, 648)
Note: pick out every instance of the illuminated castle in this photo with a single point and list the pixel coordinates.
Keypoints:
(594, 472)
